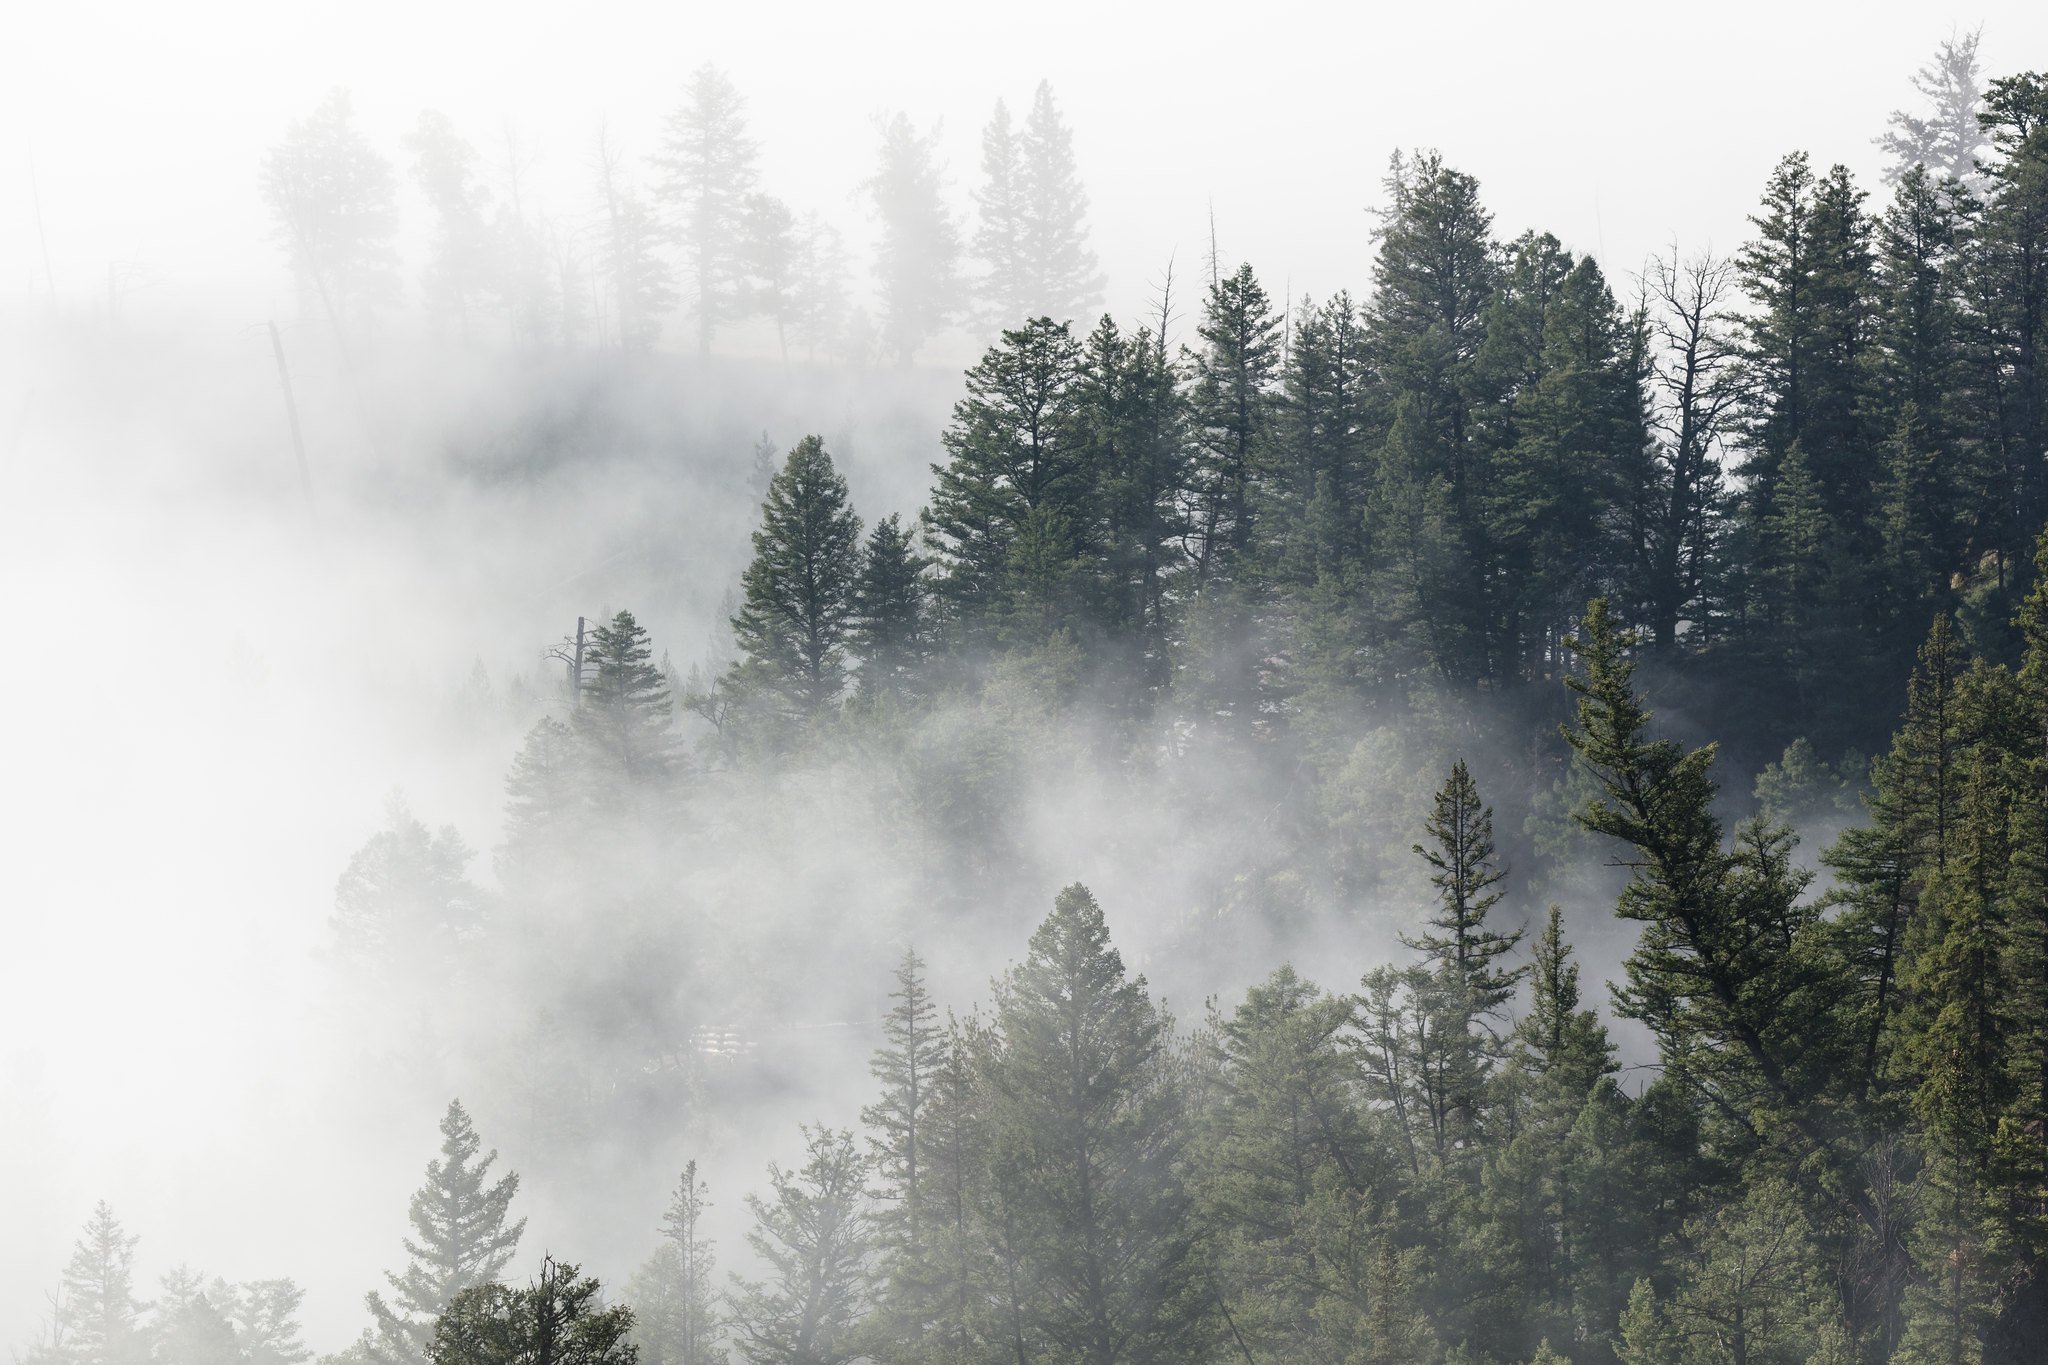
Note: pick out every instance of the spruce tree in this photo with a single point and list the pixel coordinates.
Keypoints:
(907, 1066)
(99, 1319)
(676, 1319)
(404, 897)
(558, 1319)
(1464, 871)
(917, 261)
(891, 627)
(1232, 403)
(707, 167)
(812, 1236)
(1083, 1108)
(797, 615)
(999, 234)
(624, 717)
(1063, 281)
(1011, 452)
(461, 1240)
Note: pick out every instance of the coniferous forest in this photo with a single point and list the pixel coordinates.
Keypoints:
(1503, 626)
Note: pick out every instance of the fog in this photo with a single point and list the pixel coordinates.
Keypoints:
(221, 669)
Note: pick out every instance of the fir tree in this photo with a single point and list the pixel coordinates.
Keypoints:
(559, 1319)
(99, 1319)
(917, 262)
(460, 1241)
(813, 1238)
(1464, 872)
(1085, 1112)
(797, 615)
(1063, 281)
(676, 1308)
(1232, 402)
(624, 718)
(707, 168)
(891, 631)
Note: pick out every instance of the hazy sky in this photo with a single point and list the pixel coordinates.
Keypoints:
(146, 1035)
(1619, 127)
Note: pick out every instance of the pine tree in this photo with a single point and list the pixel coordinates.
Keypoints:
(334, 201)
(1946, 139)
(707, 163)
(797, 616)
(771, 266)
(638, 284)
(675, 1305)
(891, 620)
(190, 1321)
(99, 1319)
(404, 896)
(1084, 1109)
(265, 1314)
(1000, 229)
(1129, 415)
(1287, 1152)
(546, 798)
(907, 1066)
(1063, 281)
(463, 1241)
(1232, 403)
(917, 261)
(1464, 872)
(1010, 453)
(558, 1319)
(461, 267)
(624, 718)
(813, 1237)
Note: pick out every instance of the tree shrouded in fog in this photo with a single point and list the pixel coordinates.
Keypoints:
(461, 265)
(707, 170)
(1032, 234)
(797, 615)
(461, 1240)
(638, 286)
(917, 262)
(624, 716)
(558, 1319)
(99, 1320)
(812, 1236)
(676, 1305)
(405, 894)
(1944, 135)
(332, 196)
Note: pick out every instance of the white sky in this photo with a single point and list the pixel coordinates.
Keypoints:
(1618, 126)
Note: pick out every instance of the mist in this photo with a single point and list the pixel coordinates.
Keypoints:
(281, 578)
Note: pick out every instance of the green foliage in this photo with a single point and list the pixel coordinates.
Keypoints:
(460, 1241)
(797, 614)
(813, 1237)
(558, 1319)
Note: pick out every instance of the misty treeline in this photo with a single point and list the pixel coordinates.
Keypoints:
(1839, 1158)
(683, 227)
(1267, 579)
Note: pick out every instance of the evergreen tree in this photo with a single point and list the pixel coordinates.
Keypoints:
(559, 1319)
(771, 266)
(813, 1237)
(1084, 1109)
(460, 269)
(917, 262)
(797, 615)
(190, 1322)
(891, 620)
(266, 1320)
(1000, 228)
(334, 201)
(1232, 402)
(907, 1066)
(639, 287)
(707, 165)
(676, 1308)
(460, 1241)
(1064, 282)
(1464, 872)
(1010, 454)
(404, 896)
(1946, 138)
(99, 1319)
(624, 719)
